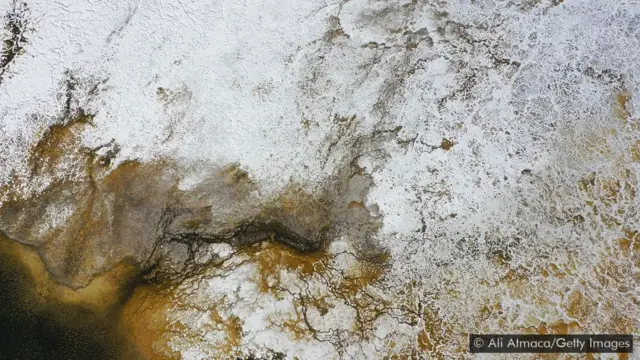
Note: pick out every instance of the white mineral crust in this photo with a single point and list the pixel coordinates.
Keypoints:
(526, 91)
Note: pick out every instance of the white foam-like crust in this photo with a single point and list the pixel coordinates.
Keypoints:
(250, 73)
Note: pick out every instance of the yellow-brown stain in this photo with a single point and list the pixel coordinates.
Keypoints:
(356, 205)
(435, 335)
(272, 258)
(430, 335)
(144, 319)
(112, 203)
(579, 306)
(110, 209)
(630, 244)
(56, 141)
(621, 108)
(359, 276)
(234, 174)
(635, 151)
(582, 305)
(87, 314)
(234, 330)
(297, 326)
(604, 189)
(446, 144)
(144, 313)
(301, 210)
(107, 287)
(99, 295)
(557, 328)
(232, 327)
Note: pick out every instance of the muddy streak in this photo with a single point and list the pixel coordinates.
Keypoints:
(40, 319)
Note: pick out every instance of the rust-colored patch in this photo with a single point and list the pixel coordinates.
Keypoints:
(434, 333)
(273, 261)
(297, 327)
(271, 258)
(630, 243)
(579, 307)
(359, 276)
(446, 144)
(144, 319)
(232, 328)
(56, 141)
(558, 328)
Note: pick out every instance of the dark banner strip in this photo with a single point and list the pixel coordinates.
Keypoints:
(575, 343)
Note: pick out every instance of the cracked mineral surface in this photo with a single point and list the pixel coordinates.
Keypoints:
(350, 179)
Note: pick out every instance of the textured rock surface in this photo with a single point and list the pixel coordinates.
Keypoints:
(353, 179)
